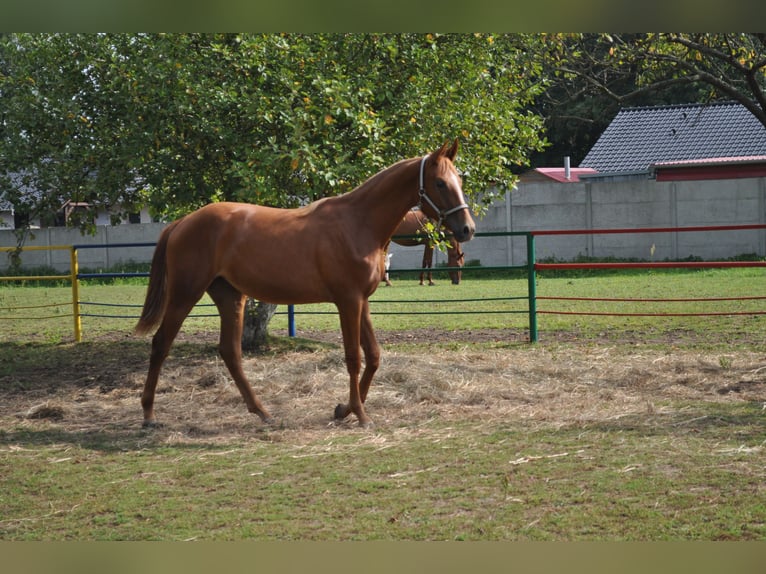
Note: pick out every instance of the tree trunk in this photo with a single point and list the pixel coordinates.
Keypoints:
(255, 331)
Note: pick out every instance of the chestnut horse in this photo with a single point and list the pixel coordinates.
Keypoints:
(332, 250)
(414, 221)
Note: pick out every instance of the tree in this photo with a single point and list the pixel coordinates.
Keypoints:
(180, 120)
(731, 66)
(175, 121)
(591, 75)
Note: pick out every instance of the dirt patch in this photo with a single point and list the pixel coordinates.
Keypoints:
(621, 337)
(96, 388)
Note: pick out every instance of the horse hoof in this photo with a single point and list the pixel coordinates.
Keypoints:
(341, 412)
(366, 425)
(151, 425)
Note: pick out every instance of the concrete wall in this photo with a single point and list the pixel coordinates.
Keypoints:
(626, 204)
(618, 204)
(99, 258)
(533, 206)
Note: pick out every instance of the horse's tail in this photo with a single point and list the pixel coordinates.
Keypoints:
(156, 299)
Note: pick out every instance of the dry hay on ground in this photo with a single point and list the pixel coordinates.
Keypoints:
(543, 386)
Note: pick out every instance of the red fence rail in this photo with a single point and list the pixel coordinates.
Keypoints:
(532, 267)
(533, 298)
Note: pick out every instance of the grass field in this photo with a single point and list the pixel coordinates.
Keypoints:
(610, 428)
(478, 303)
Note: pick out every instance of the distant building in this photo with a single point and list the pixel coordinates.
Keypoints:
(717, 140)
(555, 174)
(11, 217)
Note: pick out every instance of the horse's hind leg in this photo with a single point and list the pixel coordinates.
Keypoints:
(371, 350)
(231, 306)
(161, 342)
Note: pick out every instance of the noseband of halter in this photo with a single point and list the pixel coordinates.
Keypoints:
(443, 213)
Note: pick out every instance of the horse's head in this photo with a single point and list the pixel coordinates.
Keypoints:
(441, 192)
(455, 258)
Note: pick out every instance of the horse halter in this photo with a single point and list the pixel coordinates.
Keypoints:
(443, 213)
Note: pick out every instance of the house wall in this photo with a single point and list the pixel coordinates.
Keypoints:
(102, 218)
(533, 206)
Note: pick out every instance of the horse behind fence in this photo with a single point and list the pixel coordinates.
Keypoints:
(414, 223)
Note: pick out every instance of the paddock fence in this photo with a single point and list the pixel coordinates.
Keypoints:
(533, 298)
(71, 277)
(530, 301)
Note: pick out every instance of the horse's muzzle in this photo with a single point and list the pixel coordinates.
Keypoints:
(467, 233)
(464, 231)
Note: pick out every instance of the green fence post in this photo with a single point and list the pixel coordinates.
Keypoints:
(532, 288)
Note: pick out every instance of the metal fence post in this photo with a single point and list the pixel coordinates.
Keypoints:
(532, 288)
(291, 320)
(74, 270)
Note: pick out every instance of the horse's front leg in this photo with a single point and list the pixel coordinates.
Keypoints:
(428, 261)
(350, 321)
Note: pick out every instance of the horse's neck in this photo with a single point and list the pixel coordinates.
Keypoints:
(385, 198)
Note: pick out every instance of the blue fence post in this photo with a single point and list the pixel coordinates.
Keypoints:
(291, 320)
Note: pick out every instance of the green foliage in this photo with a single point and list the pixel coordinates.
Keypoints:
(589, 76)
(179, 120)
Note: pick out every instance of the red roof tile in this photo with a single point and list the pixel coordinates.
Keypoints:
(556, 174)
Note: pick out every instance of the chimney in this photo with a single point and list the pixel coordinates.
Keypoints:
(567, 170)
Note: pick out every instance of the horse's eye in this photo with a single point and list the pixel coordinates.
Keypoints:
(441, 184)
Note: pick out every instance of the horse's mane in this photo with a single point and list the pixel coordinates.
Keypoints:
(371, 181)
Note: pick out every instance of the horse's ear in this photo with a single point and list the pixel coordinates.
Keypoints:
(451, 153)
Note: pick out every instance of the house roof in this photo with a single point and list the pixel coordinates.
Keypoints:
(710, 168)
(555, 174)
(637, 138)
(16, 180)
(711, 161)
